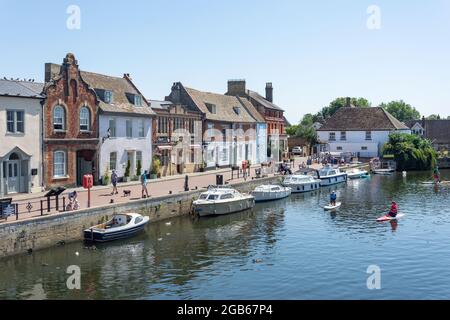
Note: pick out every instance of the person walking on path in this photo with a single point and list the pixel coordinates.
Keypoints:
(114, 179)
(144, 184)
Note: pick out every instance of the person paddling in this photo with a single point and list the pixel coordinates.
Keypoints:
(436, 175)
(333, 198)
(394, 210)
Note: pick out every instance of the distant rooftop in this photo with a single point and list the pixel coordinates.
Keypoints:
(17, 88)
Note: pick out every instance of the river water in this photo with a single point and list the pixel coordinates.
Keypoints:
(290, 249)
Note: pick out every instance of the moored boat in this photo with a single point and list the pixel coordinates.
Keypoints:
(387, 171)
(329, 176)
(357, 173)
(300, 183)
(270, 192)
(119, 227)
(222, 200)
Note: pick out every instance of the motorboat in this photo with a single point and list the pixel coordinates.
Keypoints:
(222, 200)
(357, 173)
(119, 227)
(301, 183)
(387, 171)
(329, 176)
(270, 192)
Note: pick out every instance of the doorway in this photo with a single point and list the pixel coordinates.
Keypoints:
(85, 164)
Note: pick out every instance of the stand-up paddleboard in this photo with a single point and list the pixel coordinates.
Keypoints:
(433, 183)
(330, 207)
(389, 218)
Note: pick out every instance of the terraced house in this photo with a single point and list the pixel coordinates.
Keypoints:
(20, 137)
(93, 123)
(272, 114)
(232, 128)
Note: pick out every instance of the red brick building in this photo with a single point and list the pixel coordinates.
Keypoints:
(70, 131)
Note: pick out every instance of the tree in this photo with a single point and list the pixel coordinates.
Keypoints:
(292, 130)
(338, 103)
(434, 117)
(127, 169)
(411, 152)
(138, 168)
(401, 110)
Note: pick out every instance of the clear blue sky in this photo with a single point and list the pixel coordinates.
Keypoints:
(312, 51)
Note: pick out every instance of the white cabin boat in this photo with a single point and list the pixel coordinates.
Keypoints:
(119, 227)
(357, 173)
(222, 200)
(387, 171)
(301, 183)
(330, 176)
(270, 192)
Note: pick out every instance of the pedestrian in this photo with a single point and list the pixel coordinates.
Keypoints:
(114, 179)
(144, 184)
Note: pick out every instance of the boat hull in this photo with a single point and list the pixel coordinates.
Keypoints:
(204, 209)
(328, 181)
(262, 196)
(303, 187)
(94, 235)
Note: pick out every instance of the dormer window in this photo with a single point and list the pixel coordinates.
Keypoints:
(237, 110)
(211, 108)
(108, 96)
(137, 100)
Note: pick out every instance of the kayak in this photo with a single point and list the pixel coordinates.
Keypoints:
(389, 218)
(330, 207)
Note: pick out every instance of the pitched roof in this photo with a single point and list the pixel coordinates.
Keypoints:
(158, 104)
(224, 106)
(437, 131)
(261, 100)
(362, 119)
(21, 89)
(122, 90)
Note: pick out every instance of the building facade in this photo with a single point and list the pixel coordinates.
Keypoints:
(70, 125)
(20, 132)
(437, 131)
(232, 129)
(272, 115)
(361, 132)
(177, 137)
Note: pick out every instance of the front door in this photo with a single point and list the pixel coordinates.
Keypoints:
(13, 176)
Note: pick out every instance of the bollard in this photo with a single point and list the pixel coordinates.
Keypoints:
(186, 183)
(42, 207)
(64, 204)
(48, 204)
(17, 211)
(57, 203)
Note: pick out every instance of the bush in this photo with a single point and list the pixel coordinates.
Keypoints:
(411, 152)
(127, 169)
(105, 179)
(138, 168)
(156, 166)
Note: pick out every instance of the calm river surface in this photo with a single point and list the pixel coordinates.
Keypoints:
(290, 249)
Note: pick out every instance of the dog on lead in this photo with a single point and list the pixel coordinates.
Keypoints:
(126, 193)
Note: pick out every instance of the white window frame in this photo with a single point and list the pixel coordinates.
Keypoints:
(343, 136)
(129, 128)
(15, 122)
(63, 164)
(137, 100)
(141, 128)
(112, 128)
(109, 96)
(111, 167)
(61, 117)
(332, 136)
(368, 135)
(85, 123)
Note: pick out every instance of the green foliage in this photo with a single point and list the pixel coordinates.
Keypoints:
(156, 166)
(292, 130)
(434, 117)
(411, 152)
(338, 103)
(138, 168)
(106, 178)
(127, 169)
(401, 110)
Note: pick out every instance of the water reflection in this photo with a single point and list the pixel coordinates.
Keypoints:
(290, 249)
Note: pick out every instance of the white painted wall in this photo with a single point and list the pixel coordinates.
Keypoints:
(121, 144)
(29, 142)
(356, 140)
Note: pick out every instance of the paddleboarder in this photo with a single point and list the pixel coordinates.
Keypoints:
(333, 198)
(394, 210)
(436, 175)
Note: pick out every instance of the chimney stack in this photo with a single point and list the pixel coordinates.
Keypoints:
(51, 70)
(236, 88)
(348, 102)
(269, 92)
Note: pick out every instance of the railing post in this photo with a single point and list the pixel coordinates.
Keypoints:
(64, 204)
(57, 203)
(42, 207)
(17, 211)
(48, 204)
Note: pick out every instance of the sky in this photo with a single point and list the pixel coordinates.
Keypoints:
(312, 51)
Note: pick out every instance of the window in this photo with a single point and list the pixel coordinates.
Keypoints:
(364, 148)
(59, 164)
(15, 122)
(129, 129)
(332, 136)
(368, 135)
(211, 108)
(59, 118)
(112, 128)
(113, 161)
(84, 119)
(141, 128)
(137, 100)
(339, 148)
(108, 96)
(178, 123)
(343, 135)
(162, 125)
